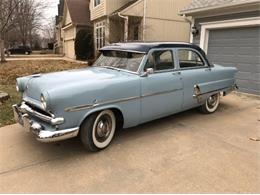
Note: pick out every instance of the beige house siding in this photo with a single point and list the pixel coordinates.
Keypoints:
(137, 9)
(105, 8)
(112, 5)
(67, 17)
(164, 24)
(165, 9)
(166, 30)
(69, 35)
(98, 11)
(160, 23)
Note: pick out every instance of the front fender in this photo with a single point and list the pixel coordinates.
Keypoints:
(99, 109)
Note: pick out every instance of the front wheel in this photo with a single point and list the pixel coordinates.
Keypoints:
(98, 130)
(211, 104)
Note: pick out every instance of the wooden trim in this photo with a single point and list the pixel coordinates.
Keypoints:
(67, 26)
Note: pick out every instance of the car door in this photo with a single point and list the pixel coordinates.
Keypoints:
(161, 91)
(195, 71)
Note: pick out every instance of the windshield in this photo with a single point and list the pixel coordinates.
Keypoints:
(129, 61)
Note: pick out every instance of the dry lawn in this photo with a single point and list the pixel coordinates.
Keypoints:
(9, 71)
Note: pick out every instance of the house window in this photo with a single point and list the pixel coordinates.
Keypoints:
(100, 35)
(96, 2)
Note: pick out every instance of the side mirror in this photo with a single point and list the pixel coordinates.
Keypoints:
(150, 70)
(147, 72)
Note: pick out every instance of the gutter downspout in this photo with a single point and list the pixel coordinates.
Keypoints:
(191, 22)
(144, 20)
(125, 26)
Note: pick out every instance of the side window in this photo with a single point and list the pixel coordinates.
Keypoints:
(160, 60)
(189, 59)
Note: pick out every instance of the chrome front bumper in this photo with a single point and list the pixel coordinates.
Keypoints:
(42, 133)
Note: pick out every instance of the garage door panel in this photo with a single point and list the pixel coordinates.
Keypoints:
(244, 75)
(238, 47)
(253, 51)
(223, 50)
(215, 58)
(250, 42)
(249, 85)
(248, 76)
(244, 67)
(251, 91)
(246, 59)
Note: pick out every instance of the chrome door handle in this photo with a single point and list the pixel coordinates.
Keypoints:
(176, 73)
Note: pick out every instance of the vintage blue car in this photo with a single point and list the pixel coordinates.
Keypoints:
(129, 84)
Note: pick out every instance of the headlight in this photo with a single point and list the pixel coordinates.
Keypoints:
(43, 102)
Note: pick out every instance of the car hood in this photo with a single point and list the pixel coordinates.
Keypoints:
(69, 80)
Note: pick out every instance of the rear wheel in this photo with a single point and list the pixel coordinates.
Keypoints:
(211, 104)
(98, 130)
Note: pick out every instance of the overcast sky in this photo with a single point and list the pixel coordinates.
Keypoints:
(51, 11)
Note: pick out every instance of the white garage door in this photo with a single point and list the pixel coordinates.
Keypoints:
(69, 49)
(238, 47)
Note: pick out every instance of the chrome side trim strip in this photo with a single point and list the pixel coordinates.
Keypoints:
(88, 106)
(159, 93)
(218, 90)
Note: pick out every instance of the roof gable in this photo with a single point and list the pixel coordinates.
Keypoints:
(78, 11)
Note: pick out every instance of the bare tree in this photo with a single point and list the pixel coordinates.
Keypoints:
(7, 21)
(49, 30)
(29, 19)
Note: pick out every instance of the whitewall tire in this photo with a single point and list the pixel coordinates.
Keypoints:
(98, 130)
(211, 104)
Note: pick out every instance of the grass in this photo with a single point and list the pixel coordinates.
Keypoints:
(9, 71)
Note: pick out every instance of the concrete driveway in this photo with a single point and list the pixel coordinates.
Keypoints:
(184, 153)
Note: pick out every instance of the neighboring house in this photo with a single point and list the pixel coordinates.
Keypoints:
(76, 17)
(58, 45)
(229, 32)
(138, 20)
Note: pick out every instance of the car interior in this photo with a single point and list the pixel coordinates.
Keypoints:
(160, 60)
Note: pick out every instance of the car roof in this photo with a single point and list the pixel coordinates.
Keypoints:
(145, 47)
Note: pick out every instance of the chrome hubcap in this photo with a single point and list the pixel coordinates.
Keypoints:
(212, 101)
(103, 128)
